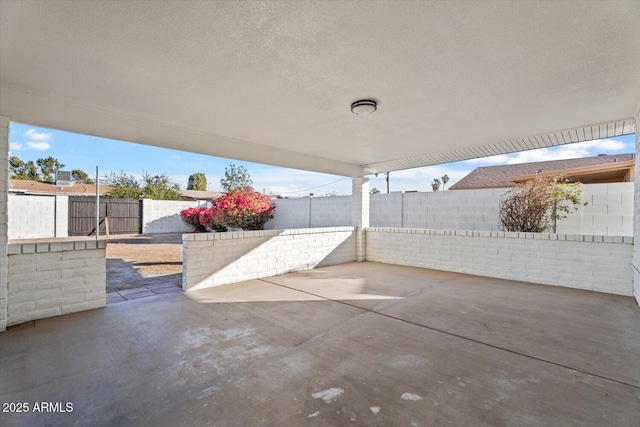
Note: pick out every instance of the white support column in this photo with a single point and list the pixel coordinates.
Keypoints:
(636, 214)
(360, 213)
(4, 190)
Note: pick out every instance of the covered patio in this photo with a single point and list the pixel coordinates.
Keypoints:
(351, 344)
(260, 337)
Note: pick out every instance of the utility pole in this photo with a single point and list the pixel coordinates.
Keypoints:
(388, 186)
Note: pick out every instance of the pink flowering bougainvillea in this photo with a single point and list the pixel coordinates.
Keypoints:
(240, 208)
(191, 217)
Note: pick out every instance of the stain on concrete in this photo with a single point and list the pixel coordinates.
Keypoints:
(410, 396)
(328, 395)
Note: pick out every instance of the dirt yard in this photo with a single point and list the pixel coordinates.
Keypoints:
(136, 261)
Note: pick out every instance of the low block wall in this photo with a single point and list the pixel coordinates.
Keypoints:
(597, 263)
(211, 259)
(48, 279)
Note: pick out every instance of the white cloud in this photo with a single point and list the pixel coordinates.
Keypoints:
(602, 144)
(40, 146)
(34, 135)
(15, 146)
(569, 151)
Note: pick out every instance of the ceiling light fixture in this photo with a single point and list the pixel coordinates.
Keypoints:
(365, 106)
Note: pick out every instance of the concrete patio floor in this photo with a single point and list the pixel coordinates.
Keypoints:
(353, 344)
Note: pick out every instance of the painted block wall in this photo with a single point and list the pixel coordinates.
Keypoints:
(291, 213)
(32, 217)
(596, 263)
(48, 279)
(4, 187)
(163, 216)
(609, 211)
(211, 259)
(330, 211)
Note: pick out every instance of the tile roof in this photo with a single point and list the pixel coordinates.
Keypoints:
(35, 187)
(499, 176)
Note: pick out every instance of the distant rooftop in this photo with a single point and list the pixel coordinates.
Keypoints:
(35, 187)
(503, 176)
(199, 195)
(78, 189)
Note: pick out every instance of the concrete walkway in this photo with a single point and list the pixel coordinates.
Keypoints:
(355, 344)
(142, 292)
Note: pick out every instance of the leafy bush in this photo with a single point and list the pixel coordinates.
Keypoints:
(191, 217)
(240, 208)
(536, 205)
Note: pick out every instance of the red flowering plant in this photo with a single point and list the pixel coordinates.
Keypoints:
(207, 219)
(191, 217)
(240, 208)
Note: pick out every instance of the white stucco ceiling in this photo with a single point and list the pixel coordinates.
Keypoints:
(272, 82)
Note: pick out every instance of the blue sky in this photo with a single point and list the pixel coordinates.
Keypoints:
(86, 152)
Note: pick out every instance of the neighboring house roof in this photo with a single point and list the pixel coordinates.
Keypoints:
(43, 188)
(199, 195)
(603, 168)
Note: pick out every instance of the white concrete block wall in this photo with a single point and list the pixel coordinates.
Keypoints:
(609, 211)
(291, 213)
(48, 279)
(211, 259)
(4, 187)
(163, 216)
(597, 263)
(386, 210)
(32, 217)
(330, 211)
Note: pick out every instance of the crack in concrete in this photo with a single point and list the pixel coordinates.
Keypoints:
(636, 387)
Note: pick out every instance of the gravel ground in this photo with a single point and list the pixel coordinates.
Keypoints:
(136, 261)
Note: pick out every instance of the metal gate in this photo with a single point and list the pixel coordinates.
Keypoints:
(117, 216)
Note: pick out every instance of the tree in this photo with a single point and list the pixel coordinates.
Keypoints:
(445, 179)
(435, 185)
(197, 181)
(49, 167)
(536, 205)
(78, 175)
(374, 190)
(235, 177)
(123, 186)
(21, 170)
(160, 187)
(15, 167)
